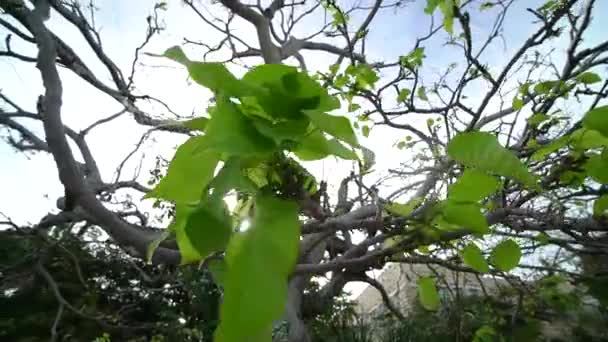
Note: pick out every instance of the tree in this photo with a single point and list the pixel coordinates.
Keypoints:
(506, 158)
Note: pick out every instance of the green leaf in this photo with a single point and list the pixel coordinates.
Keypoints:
(472, 257)
(555, 145)
(337, 149)
(218, 270)
(427, 293)
(537, 119)
(259, 262)
(588, 78)
(208, 227)
(597, 167)
(600, 206)
(485, 334)
(188, 253)
(365, 130)
(414, 59)
(584, 139)
(334, 68)
(404, 94)
(198, 124)
(422, 93)
(481, 150)
(468, 216)
(506, 255)
(365, 76)
(289, 130)
(404, 209)
(231, 176)
(214, 76)
(229, 131)
(152, 246)
(188, 174)
(447, 8)
(545, 87)
(352, 107)
(315, 146)
(486, 6)
(369, 159)
(473, 186)
(597, 119)
(337, 126)
(283, 92)
(177, 54)
(517, 103)
(431, 5)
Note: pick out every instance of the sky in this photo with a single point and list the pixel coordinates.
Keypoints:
(29, 184)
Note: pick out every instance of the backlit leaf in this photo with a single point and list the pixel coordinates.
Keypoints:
(188, 174)
(506, 255)
(597, 167)
(481, 150)
(600, 206)
(403, 209)
(208, 227)
(472, 257)
(337, 126)
(259, 262)
(473, 186)
(588, 78)
(404, 95)
(597, 119)
(427, 293)
(466, 216)
(365, 130)
(229, 131)
(422, 94)
(517, 103)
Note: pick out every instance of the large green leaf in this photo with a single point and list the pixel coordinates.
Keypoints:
(208, 227)
(229, 131)
(218, 270)
(316, 146)
(427, 293)
(337, 149)
(472, 257)
(259, 262)
(482, 151)
(600, 206)
(588, 78)
(506, 255)
(290, 130)
(404, 209)
(584, 139)
(214, 76)
(473, 186)
(597, 167)
(188, 174)
(187, 251)
(337, 126)
(288, 91)
(447, 8)
(467, 216)
(231, 176)
(597, 119)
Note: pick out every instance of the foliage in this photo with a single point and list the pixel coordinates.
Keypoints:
(117, 296)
